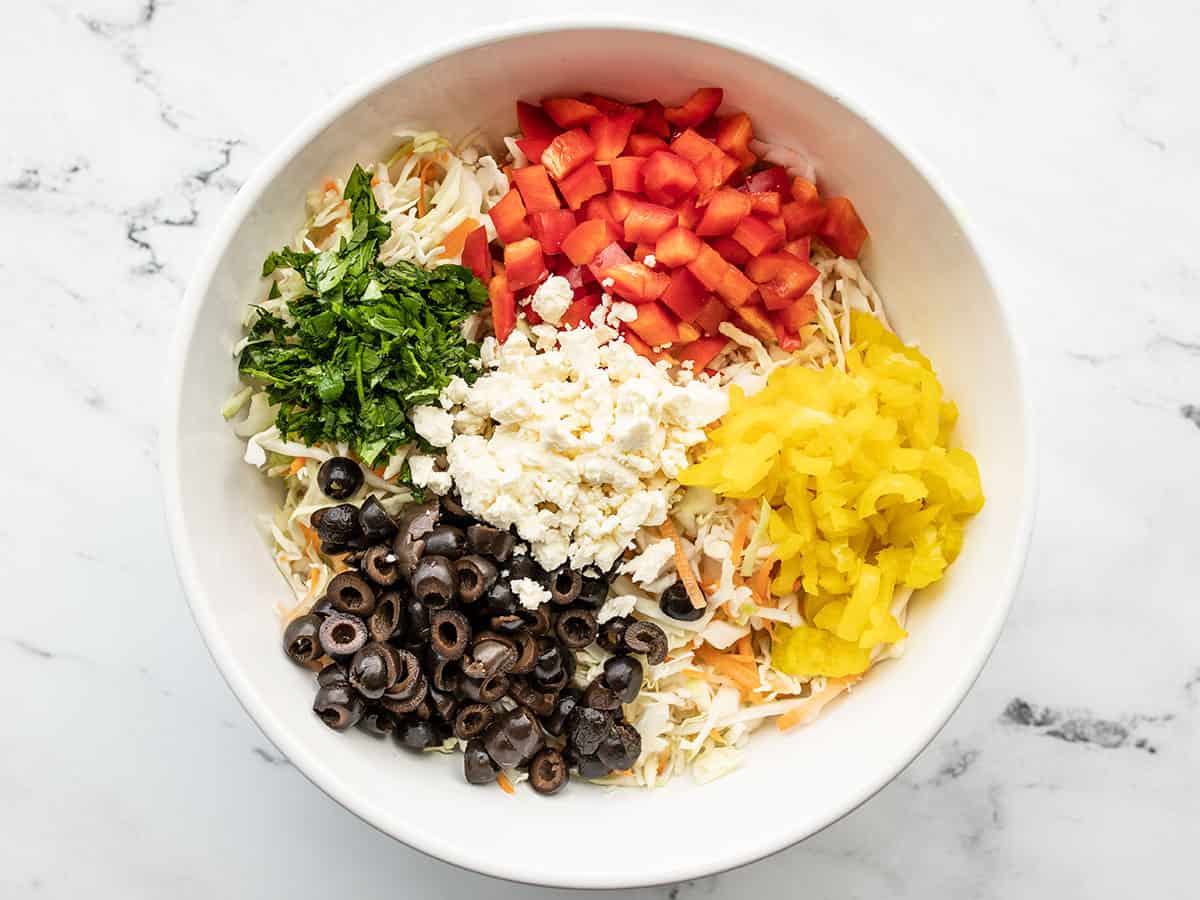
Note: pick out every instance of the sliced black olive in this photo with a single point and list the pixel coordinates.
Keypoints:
(378, 722)
(402, 702)
(338, 706)
(323, 608)
(592, 767)
(527, 653)
(339, 477)
(556, 721)
(592, 593)
(484, 690)
(612, 633)
(547, 772)
(342, 635)
(407, 681)
(350, 593)
(300, 639)
(377, 526)
(434, 581)
(508, 625)
(452, 507)
(416, 734)
(576, 628)
(381, 564)
(334, 673)
(525, 566)
(476, 575)
(409, 543)
(374, 669)
(416, 620)
(513, 738)
(338, 525)
(564, 585)
(445, 704)
(449, 633)
(490, 654)
(548, 665)
(623, 675)
(676, 603)
(491, 542)
(447, 541)
(621, 747)
(477, 765)
(647, 638)
(387, 622)
(540, 703)
(501, 600)
(586, 728)
(600, 696)
(539, 620)
(446, 675)
(472, 720)
(354, 560)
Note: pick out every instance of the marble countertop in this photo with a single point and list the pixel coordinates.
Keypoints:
(1069, 130)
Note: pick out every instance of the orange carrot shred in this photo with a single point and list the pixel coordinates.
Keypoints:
(422, 204)
(760, 584)
(296, 466)
(802, 715)
(453, 244)
(741, 531)
(505, 784)
(686, 575)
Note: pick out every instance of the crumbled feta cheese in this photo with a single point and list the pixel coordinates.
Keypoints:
(425, 475)
(650, 262)
(651, 562)
(607, 282)
(618, 605)
(529, 593)
(434, 424)
(552, 298)
(624, 312)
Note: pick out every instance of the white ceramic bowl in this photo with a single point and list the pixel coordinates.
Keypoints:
(937, 292)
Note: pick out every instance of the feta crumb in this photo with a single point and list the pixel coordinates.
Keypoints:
(650, 563)
(606, 282)
(552, 298)
(434, 424)
(624, 312)
(650, 262)
(530, 593)
(620, 605)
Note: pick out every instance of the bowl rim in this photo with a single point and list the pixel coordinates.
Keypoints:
(314, 769)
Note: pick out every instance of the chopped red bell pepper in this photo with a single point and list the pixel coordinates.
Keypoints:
(798, 314)
(609, 257)
(735, 288)
(731, 251)
(667, 177)
(756, 235)
(689, 213)
(536, 189)
(698, 107)
(804, 191)
(597, 208)
(710, 316)
(641, 251)
(694, 148)
(654, 325)
(734, 134)
(587, 240)
(636, 282)
(755, 320)
(567, 112)
(701, 351)
(641, 144)
(583, 183)
(504, 306)
(802, 219)
(676, 247)
(712, 172)
(641, 348)
(508, 215)
(611, 133)
(533, 121)
(654, 119)
(574, 274)
(708, 267)
(686, 295)
(620, 203)
(842, 229)
(533, 148)
(580, 311)
(607, 105)
(627, 173)
(726, 208)
(801, 248)
(765, 203)
(568, 152)
(647, 222)
(551, 226)
(524, 263)
(475, 254)
(687, 332)
(774, 179)
(782, 278)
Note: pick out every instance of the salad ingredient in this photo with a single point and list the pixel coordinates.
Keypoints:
(861, 494)
(339, 477)
(300, 640)
(348, 592)
(676, 603)
(548, 771)
(586, 425)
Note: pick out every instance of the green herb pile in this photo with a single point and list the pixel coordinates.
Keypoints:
(369, 342)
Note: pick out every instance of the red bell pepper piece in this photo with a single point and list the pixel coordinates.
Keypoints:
(597, 208)
(734, 134)
(735, 288)
(524, 263)
(708, 267)
(536, 189)
(654, 119)
(802, 219)
(609, 257)
(712, 172)
(698, 107)
(694, 148)
(765, 203)
(580, 311)
(689, 213)
(755, 320)
(508, 215)
(782, 278)
(533, 148)
(574, 274)
(620, 204)
(726, 208)
(804, 191)
(774, 179)
(644, 144)
(587, 240)
(504, 306)
(667, 177)
(654, 325)
(568, 152)
(686, 295)
(731, 251)
(687, 332)
(533, 121)
(583, 183)
(475, 254)
(567, 112)
(676, 247)
(643, 349)
(550, 227)
(842, 229)
(627, 173)
(607, 105)
(636, 282)
(796, 315)
(710, 316)
(701, 351)
(611, 133)
(756, 236)
(647, 222)
(801, 248)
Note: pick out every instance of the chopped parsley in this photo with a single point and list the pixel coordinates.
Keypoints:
(368, 342)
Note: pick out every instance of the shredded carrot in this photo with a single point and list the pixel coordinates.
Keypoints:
(686, 575)
(741, 671)
(803, 715)
(329, 185)
(379, 470)
(311, 537)
(745, 646)
(741, 531)
(760, 583)
(505, 784)
(663, 759)
(422, 177)
(453, 244)
(297, 465)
